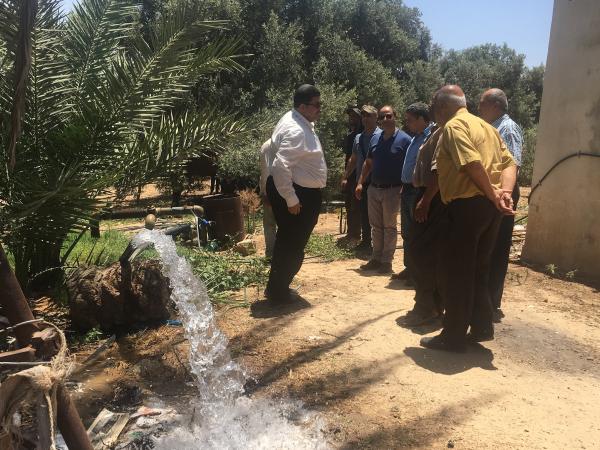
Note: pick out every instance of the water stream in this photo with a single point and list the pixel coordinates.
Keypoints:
(226, 418)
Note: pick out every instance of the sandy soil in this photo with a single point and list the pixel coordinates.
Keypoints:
(341, 352)
(536, 386)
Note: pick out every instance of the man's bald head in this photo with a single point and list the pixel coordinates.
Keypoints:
(493, 104)
(446, 101)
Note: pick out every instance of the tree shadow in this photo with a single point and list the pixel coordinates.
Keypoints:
(264, 309)
(423, 431)
(447, 363)
(344, 383)
(305, 356)
(421, 330)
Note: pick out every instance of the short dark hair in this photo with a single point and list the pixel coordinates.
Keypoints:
(304, 94)
(419, 109)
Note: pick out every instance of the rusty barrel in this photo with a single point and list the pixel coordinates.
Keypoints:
(226, 211)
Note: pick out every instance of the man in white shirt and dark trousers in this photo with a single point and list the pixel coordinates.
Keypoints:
(294, 188)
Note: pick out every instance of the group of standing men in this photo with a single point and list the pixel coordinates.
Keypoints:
(451, 177)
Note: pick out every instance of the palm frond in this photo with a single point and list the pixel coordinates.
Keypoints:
(96, 29)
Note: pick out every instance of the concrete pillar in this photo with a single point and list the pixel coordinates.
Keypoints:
(564, 212)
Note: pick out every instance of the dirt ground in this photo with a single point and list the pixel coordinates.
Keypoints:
(343, 354)
(535, 387)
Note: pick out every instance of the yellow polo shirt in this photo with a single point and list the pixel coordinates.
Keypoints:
(467, 138)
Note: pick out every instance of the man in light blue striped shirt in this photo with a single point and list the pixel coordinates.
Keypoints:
(493, 107)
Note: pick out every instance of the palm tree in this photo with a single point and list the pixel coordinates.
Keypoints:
(105, 105)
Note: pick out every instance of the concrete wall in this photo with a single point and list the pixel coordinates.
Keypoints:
(564, 212)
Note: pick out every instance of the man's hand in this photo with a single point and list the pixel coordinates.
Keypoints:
(504, 202)
(295, 210)
(358, 191)
(422, 210)
(344, 184)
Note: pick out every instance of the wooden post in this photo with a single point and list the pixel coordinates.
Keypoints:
(14, 303)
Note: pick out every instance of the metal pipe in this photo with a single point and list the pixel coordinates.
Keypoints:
(14, 304)
(69, 422)
(130, 252)
(132, 213)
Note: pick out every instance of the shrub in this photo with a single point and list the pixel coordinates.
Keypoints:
(528, 156)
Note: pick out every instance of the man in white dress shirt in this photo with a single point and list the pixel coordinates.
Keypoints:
(294, 188)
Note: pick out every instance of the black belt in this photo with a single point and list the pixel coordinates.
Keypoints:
(386, 186)
(302, 188)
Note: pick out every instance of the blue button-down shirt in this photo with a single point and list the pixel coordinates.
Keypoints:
(410, 160)
(511, 134)
(362, 144)
(388, 158)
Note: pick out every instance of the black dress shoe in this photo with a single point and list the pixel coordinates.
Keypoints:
(497, 315)
(480, 337)
(439, 343)
(385, 268)
(279, 297)
(401, 276)
(371, 265)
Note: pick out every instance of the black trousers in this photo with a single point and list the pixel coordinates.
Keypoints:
(423, 256)
(466, 251)
(501, 253)
(408, 201)
(292, 235)
(352, 208)
(364, 215)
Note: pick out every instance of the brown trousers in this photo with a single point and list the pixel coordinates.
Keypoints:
(466, 251)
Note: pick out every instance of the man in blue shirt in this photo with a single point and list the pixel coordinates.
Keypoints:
(362, 145)
(384, 163)
(417, 121)
(493, 107)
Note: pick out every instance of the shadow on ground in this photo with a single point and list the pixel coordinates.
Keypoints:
(308, 355)
(264, 309)
(421, 330)
(448, 363)
(424, 431)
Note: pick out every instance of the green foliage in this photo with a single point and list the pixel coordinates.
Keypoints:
(224, 272)
(221, 272)
(479, 68)
(527, 158)
(91, 336)
(331, 130)
(120, 93)
(102, 111)
(571, 274)
(101, 251)
(551, 269)
(343, 63)
(278, 66)
(325, 247)
(240, 165)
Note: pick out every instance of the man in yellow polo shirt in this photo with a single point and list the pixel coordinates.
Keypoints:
(476, 175)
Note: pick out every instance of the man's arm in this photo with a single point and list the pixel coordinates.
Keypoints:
(508, 179)
(350, 167)
(422, 208)
(289, 152)
(366, 170)
(479, 176)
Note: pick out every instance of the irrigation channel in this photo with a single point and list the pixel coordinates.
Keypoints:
(226, 417)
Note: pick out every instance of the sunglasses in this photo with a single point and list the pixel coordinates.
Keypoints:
(386, 116)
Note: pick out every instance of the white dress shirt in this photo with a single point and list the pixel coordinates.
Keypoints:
(299, 156)
(267, 156)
